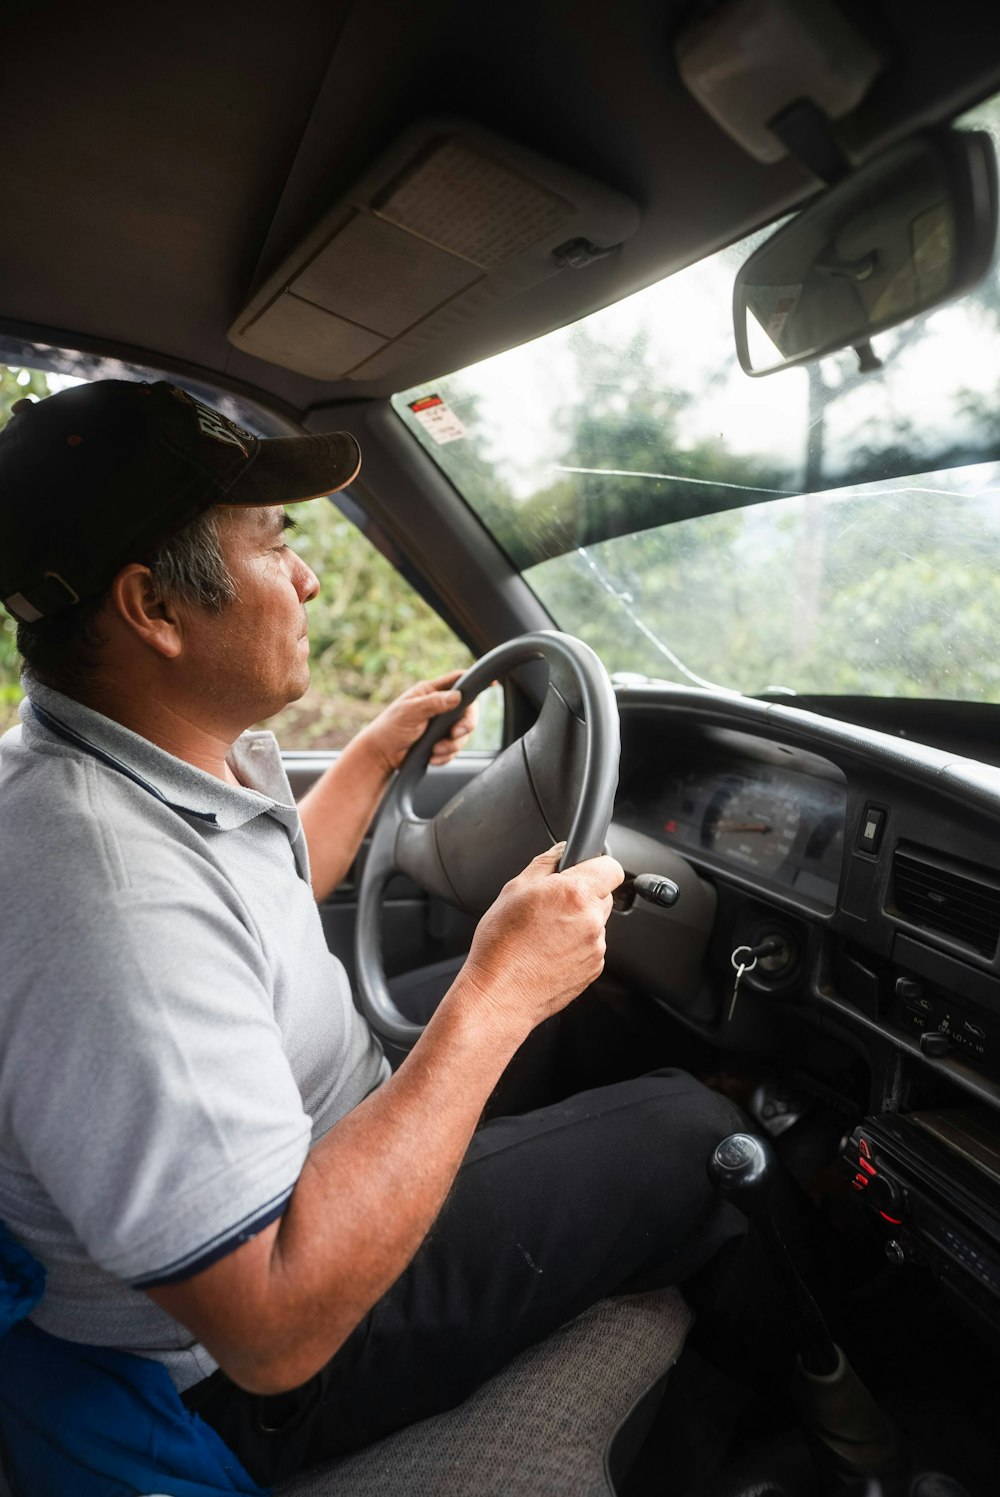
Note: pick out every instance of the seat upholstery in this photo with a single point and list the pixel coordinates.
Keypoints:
(539, 1428)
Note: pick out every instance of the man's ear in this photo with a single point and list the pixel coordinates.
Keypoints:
(136, 600)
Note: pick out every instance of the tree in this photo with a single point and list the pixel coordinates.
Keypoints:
(614, 558)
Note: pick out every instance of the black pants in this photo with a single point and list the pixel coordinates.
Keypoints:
(602, 1192)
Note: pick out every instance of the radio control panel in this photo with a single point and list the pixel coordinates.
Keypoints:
(931, 1181)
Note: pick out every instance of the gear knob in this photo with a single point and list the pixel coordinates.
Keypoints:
(743, 1168)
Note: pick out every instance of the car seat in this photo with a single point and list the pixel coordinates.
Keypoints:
(561, 1420)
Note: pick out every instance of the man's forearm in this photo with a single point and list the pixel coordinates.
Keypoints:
(367, 1195)
(412, 1136)
(338, 810)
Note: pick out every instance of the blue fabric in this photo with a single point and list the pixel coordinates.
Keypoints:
(87, 1421)
(99, 1423)
(22, 1281)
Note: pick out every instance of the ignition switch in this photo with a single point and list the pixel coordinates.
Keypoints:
(780, 956)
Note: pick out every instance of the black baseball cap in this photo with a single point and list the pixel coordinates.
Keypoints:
(101, 475)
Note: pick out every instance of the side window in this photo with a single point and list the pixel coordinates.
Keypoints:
(371, 635)
(14, 385)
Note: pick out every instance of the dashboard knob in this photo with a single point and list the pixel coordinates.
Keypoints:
(908, 990)
(887, 1195)
(935, 1043)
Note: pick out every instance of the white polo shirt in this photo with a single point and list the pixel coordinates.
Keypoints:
(174, 1033)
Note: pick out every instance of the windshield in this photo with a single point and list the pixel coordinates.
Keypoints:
(819, 531)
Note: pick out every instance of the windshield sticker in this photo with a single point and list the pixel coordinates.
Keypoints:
(436, 418)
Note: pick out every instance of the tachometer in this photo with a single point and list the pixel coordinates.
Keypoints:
(752, 822)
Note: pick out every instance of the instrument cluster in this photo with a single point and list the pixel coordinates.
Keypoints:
(784, 825)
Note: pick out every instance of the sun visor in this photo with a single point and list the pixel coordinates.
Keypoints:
(449, 223)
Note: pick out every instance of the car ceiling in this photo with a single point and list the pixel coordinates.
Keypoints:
(160, 160)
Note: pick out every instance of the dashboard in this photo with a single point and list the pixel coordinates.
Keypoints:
(871, 851)
(873, 860)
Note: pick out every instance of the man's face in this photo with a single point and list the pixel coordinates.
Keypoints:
(252, 659)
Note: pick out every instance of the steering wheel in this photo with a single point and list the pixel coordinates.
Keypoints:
(557, 781)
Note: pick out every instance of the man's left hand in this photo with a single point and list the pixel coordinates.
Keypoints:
(396, 729)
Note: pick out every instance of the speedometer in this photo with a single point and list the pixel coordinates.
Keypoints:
(752, 822)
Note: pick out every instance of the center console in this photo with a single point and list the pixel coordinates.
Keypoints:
(932, 1177)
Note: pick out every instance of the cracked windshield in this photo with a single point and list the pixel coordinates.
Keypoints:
(818, 531)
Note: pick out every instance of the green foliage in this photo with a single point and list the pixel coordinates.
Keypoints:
(371, 634)
(894, 597)
(15, 384)
(911, 599)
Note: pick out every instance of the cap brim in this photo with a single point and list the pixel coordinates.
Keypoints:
(287, 470)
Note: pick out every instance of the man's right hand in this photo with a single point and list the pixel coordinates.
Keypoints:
(543, 939)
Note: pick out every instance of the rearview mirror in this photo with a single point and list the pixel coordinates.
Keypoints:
(907, 231)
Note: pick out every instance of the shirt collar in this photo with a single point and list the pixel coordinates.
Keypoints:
(254, 758)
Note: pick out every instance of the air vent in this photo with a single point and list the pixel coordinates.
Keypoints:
(957, 899)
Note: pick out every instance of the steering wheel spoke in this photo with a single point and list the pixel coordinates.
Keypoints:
(416, 855)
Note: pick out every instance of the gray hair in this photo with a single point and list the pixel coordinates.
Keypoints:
(188, 567)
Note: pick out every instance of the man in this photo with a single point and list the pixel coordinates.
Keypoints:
(202, 1141)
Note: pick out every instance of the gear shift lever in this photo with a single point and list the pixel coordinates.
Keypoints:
(745, 1169)
(852, 1435)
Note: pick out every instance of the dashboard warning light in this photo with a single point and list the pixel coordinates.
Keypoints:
(670, 826)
